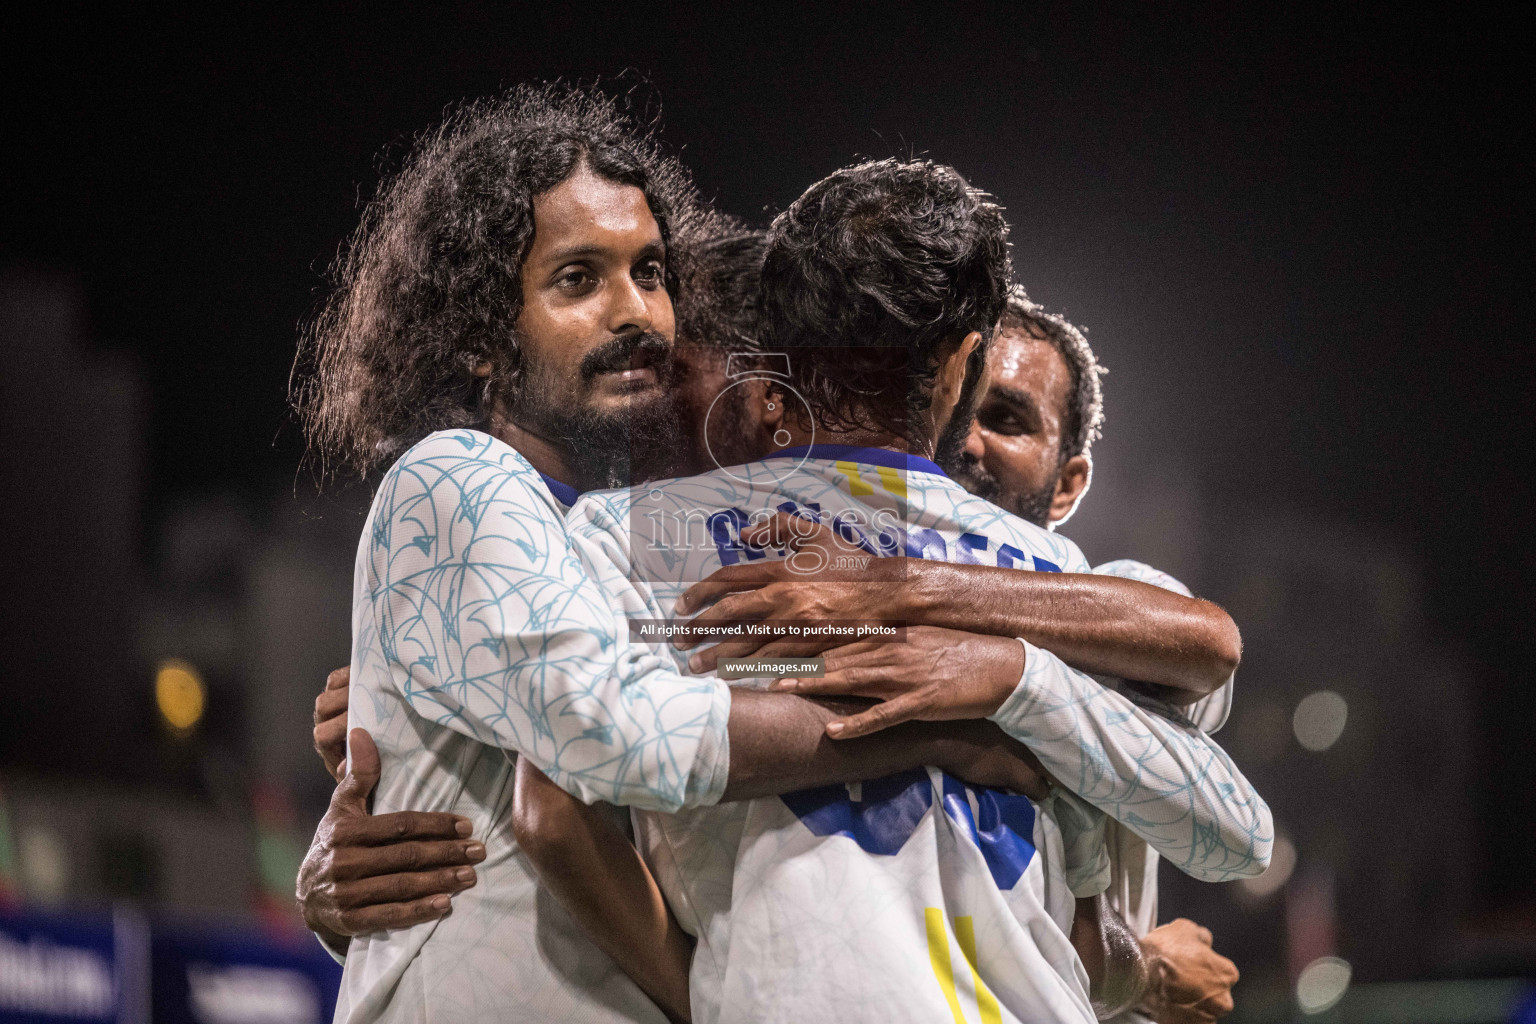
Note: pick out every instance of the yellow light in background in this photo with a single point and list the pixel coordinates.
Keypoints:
(180, 695)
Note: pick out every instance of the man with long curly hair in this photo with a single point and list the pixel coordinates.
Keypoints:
(452, 311)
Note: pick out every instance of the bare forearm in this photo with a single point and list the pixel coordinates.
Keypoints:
(597, 875)
(1117, 973)
(1100, 624)
(1125, 969)
(779, 744)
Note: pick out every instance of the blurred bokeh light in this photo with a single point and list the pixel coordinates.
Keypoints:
(1322, 984)
(180, 695)
(1320, 719)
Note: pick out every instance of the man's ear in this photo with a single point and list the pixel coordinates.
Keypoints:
(951, 377)
(950, 380)
(1071, 485)
(771, 410)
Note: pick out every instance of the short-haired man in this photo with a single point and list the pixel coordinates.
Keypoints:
(1030, 452)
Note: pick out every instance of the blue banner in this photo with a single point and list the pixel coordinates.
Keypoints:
(118, 969)
(208, 975)
(57, 968)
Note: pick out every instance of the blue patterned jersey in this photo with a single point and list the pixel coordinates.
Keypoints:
(477, 636)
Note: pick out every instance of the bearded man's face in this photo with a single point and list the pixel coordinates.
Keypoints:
(596, 330)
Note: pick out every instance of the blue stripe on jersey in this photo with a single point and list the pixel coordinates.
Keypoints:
(1003, 832)
(889, 810)
(726, 526)
(854, 453)
(881, 821)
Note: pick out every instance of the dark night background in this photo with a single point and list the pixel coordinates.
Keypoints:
(1300, 241)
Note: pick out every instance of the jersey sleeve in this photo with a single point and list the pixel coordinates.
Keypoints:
(1149, 768)
(1210, 712)
(492, 628)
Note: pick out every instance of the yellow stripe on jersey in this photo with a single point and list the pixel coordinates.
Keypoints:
(895, 480)
(856, 485)
(944, 969)
(986, 1002)
(938, 955)
(892, 479)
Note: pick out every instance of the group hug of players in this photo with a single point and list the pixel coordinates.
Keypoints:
(590, 401)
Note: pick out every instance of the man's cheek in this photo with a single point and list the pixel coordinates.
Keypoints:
(662, 321)
(1020, 469)
(1008, 466)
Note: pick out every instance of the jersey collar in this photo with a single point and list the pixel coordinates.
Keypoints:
(565, 494)
(855, 453)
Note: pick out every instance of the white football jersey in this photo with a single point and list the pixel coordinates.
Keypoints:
(477, 634)
(908, 898)
(834, 900)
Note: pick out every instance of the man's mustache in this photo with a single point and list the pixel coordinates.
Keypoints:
(628, 352)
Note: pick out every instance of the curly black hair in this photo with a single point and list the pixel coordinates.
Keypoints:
(869, 275)
(717, 303)
(1084, 419)
(431, 282)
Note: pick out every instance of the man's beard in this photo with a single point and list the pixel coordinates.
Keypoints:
(1033, 507)
(607, 449)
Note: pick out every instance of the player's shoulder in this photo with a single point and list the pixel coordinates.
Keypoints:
(709, 490)
(595, 505)
(601, 515)
(447, 452)
(467, 470)
(1131, 569)
(1209, 713)
(980, 515)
